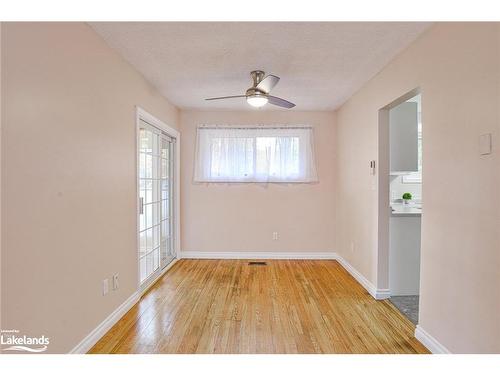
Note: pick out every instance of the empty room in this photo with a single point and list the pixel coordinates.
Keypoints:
(298, 187)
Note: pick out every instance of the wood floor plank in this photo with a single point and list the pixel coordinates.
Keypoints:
(286, 306)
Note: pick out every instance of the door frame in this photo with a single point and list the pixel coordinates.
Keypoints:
(383, 209)
(141, 114)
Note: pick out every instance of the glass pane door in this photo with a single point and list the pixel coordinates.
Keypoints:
(166, 212)
(155, 197)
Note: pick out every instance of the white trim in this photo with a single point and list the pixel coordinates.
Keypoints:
(86, 344)
(150, 119)
(149, 283)
(256, 255)
(141, 114)
(374, 292)
(91, 339)
(434, 346)
(372, 289)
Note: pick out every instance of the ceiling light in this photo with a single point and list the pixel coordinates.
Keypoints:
(257, 100)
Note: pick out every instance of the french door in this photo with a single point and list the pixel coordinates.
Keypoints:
(156, 166)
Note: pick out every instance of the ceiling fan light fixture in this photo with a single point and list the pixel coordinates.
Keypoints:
(257, 100)
(259, 94)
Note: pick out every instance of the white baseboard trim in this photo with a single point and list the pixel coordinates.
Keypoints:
(146, 287)
(93, 337)
(372, 289)
(256, 255)
(376, 293)
(434, 346)
(88, 342)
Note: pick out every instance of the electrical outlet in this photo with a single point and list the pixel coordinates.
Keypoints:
(116, 284)
(105, 287)
(372, 167)
(275, 236)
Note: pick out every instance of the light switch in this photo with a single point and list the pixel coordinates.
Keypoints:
(485, 144)
(105, 287)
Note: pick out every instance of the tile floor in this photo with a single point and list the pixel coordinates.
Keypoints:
(408, 305)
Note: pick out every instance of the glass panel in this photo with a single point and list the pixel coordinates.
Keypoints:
(142, 189)
(156, 259)
(277, 156)
(142, 165)
(164, 168)
(241, 164)
(156, 166)
(156, 208)
(165, 146)
(148, 191)
(148, 166)
(165, 229)
(148, 214)
(142, 222)
(156, 236)
(142, 267)
(165, 209)
(146, 140)
(149, 239)
(154, 175)
(164, 189)
(142, 243)
(149, 265)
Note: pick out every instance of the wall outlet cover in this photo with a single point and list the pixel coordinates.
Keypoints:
(116, 284)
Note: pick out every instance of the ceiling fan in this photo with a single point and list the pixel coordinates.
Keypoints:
(258, 94)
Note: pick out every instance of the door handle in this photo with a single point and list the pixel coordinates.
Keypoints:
(141, 205)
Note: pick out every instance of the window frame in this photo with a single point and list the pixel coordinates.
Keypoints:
(306, 158)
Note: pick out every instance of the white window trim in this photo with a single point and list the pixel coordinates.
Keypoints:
(141, 114)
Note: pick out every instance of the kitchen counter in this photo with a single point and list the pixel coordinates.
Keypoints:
(400, 209)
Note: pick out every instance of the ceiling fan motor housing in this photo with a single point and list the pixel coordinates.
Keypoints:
(252, 91)
(257, 76)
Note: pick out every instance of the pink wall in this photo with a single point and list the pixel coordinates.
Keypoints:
(68, 178)
(457, 67)
(232, 217)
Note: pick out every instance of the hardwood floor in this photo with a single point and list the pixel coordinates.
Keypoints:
(286, 306)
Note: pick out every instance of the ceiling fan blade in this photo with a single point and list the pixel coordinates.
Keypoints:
(280, 102)
(267, 84)
(227, 97)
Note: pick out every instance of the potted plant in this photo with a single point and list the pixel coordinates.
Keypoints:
(407, 198)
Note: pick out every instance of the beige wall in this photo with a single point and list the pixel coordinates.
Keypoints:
(1, 121)
(233, 217)
(457, 68)
(68, 181)
(68, 178)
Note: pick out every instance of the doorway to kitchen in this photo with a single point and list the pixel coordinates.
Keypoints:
(156, 182)
(400, 201)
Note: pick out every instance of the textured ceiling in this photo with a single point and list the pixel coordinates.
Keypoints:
(320, 64)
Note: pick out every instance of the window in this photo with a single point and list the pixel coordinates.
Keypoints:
(254, 154)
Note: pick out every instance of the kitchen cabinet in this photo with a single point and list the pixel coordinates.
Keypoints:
(403, 135)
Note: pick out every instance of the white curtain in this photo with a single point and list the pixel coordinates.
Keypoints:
(255, 154)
